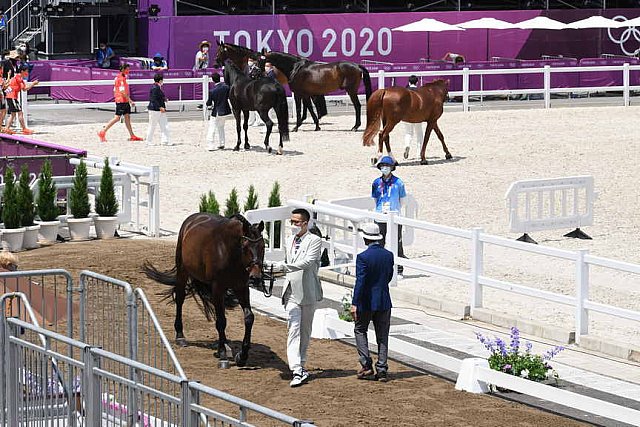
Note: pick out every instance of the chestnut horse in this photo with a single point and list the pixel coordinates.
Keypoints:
(214, 254)
(309, 78)
(395, 104)
(240, 55)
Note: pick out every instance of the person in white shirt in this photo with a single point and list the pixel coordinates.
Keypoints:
(412, 131)
(202, 56)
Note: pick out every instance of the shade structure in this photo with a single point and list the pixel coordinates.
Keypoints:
(597, 22)
(540, 23)
(487, 24)
(632, 22)
(428, 25)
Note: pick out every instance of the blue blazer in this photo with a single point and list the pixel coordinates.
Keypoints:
(219, 97)
(374, 270)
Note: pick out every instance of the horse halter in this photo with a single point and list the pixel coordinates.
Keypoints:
(264, 272)
(254, 254)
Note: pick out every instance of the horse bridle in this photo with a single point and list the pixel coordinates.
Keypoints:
(254, 261)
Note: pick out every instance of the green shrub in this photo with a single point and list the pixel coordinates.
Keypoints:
(26, 206)
(106, 202)
(79, 194)
(252, 200)
(47, 194)
(10, 209)
(345, 311)
(209, 203)
(274, 201)
(232, 206)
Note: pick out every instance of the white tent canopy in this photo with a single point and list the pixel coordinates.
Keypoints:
(486, 23)
(428, 25)
(597, 22)
(540, 23)
(632, 22)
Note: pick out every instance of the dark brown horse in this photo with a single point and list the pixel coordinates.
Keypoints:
(214, 254)
(309, 78)
(240, 55)
(395, 104)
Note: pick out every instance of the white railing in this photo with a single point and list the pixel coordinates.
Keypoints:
(474, 275)
(140, 177)
(533, 204)
(465, 92)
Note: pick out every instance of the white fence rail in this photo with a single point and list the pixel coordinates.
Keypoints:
(474, 276)
(546, 204)
(465, 92)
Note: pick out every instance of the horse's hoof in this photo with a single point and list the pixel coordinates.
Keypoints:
(355, 128)
(236, 148)
(247, 147)
(223, 364)
(295, 129)
(406, 153)
(181, 342)
(240, 362)
(269, 150)
(317, 128)
(448, 156)
(374, 160)
(279, 152)
(424, 162)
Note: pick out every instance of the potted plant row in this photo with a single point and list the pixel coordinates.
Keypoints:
(106, 205)
(13, 232)
(46, 206)
(79, 223)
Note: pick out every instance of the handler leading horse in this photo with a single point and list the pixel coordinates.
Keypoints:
(395, 104)
(213, 254)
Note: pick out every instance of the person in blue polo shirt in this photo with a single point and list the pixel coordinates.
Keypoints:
(388, 191)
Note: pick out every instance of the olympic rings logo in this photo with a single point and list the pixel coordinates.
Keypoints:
(626, 35)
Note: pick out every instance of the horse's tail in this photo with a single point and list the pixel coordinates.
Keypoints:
(282, 112)
(367, 81)
(167, 277)
(374, 113)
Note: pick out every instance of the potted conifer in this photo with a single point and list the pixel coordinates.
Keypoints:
(27, 210)
(13, 233)
(79, 223)
(106, 205)
(46, 206)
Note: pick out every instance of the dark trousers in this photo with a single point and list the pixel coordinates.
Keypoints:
(381, 323)
(383, 230)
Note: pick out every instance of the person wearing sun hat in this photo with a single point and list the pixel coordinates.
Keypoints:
(372, 302)
(159, 63)
(202, 56)
(388, 191)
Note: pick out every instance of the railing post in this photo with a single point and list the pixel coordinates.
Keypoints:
(477, 258)
(12, 378)
(465, 89)
(582, 295)
(205, 95)
(25, 107)
(625, 83)
(392, 244)
(154, 202)
(381, 79)
(547, 86)
(189, 397)
(92, 386)
(354, 234)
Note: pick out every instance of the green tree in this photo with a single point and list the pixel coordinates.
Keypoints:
(232, 206)
(209, 203)
(106, 202)
(274, 201)
(26, 207)
(10, 210)
(252, 199)
(79, 195)
(47, 194)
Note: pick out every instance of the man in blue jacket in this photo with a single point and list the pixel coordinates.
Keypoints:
(372, 302)
(220, 110)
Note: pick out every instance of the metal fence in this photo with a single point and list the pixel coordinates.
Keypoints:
(92, 386)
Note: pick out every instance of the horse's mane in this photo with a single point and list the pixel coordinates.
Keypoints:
(246, 225)
(242, 50)
(288, 56)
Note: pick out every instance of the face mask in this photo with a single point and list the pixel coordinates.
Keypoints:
(267, 69)
(295, 229)
(386, 170)
(205, 49)
(250, 63)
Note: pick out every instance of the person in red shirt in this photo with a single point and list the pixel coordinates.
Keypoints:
(123, 105)
(12, 94)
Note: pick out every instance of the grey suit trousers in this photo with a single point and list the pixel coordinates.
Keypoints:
(381, 324)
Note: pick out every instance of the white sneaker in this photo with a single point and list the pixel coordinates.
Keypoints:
(211, 148)
(299, 379)
(220, 147)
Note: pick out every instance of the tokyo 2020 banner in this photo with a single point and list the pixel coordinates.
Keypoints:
(358, 36)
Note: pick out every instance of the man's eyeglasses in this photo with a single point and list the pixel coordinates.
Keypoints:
(294, 222)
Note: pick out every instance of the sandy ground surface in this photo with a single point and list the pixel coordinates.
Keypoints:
(491, 149)
(333, 397)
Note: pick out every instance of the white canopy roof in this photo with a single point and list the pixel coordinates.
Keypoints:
(540, 23)
(486, 23)
(428, 25)
(597, 22)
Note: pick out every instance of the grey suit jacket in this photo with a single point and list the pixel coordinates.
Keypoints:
(303, 284)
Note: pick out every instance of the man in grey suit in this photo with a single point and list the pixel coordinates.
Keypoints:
(302, 291)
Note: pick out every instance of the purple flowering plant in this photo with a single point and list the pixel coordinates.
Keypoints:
(511, 359)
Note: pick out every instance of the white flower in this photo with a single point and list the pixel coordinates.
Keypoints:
(524, 373)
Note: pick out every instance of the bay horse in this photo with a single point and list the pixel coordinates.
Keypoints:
(308, 78)
(240, 55)
(214, 254)
(395, 104)
(260, 95)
